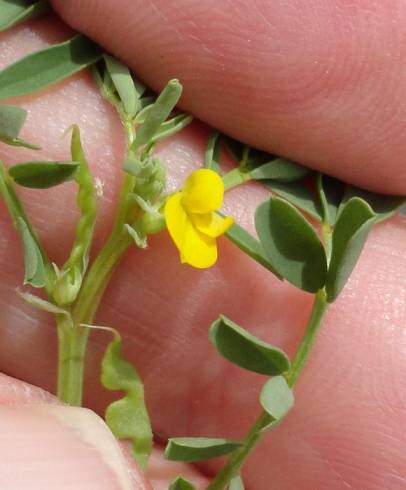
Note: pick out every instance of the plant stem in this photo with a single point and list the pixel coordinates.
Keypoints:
(237, 459)
(235, 177)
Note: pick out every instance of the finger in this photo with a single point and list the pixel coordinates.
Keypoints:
(46, 445)
(164, 309)
(319, 82)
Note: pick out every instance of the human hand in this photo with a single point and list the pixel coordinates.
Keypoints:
(366, 322)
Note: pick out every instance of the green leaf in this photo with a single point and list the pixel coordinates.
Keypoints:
(243, 349)
(298, 194)
(124, 84)
(33, 262)
(171, 127)
(276, 397)
(163, 106)
(280, 170)
(42, 175)
(181, 483)
(12, 119)
(127, 417)
(331, 192)
(236, 483)
(12, 12)
(42, 304)
(291, 244)
(212, 154)
(384, 206)
(349, 236)
(249, 245)
(140, 240)
(43, 68)
(192, 449)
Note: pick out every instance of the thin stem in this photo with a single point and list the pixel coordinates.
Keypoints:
(237, 459)
(235, 177)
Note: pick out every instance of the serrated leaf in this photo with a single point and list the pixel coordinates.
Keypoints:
(42, 175)
(331, 193)
(291, 244)
(48, 66)
(12, 12)
(245, 350)
(171, 127)
(128, 417)
(212, 153)
(192, 449)
(236, 483)
(349, 236)
(249, 245)
(124, 84)
(384, 206)
(276, 397)
(41, 304)
(298, 194)
(281, 170)
(181, 483)
(159, 112)
(33, 262)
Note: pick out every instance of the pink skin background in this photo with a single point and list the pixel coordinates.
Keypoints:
(347, 427)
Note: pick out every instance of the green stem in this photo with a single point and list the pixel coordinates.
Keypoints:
(237, 459)
(234, 178)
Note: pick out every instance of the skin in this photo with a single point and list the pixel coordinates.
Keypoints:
(347, 427)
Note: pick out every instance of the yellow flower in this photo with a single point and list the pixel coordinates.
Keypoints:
(192, 223)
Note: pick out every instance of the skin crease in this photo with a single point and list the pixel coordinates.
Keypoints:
(346, 429)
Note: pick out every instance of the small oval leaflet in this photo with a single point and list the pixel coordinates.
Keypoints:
(276, 397)
(281, 170)
(42, 175)
(50, 65)
(250, 245)
(33, 261)
(181, 483)
(354, 222)
(291, 244)
(192, 449)
(243, 349)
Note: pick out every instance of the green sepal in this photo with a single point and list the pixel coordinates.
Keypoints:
(249, 245)
(127, 417)
(280, 170)
(12, 119)
(298, 194)
(276, 398)
(191, 449)
(291, 244)
(161, 109)
(48, 66)
(331, 193)
(43, 175)
(123, 82)
(139, 239)
(353, 225)
(236, 483)
(384, 206)
(33, 262)
(245, 350)
(181, 483)
(212, 153)
(13, 12)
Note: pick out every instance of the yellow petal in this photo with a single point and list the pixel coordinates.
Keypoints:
(195, 248)
(203, 191)
(212, 224)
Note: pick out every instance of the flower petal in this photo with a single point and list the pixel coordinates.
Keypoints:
(196, 249)
(203, 191)
(212, 224)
